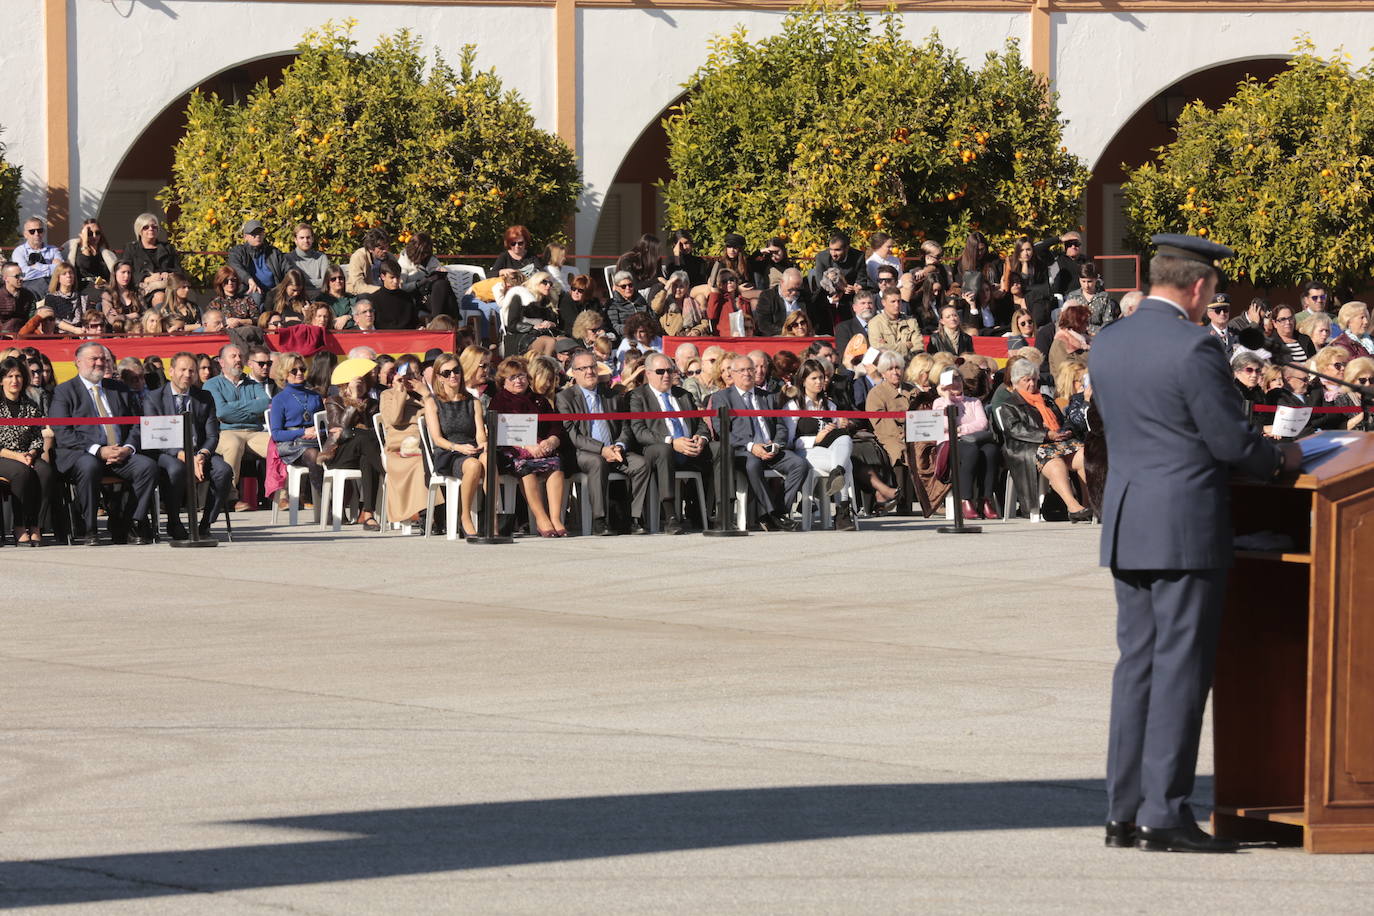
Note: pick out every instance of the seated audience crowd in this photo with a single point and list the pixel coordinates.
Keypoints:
(537, 338)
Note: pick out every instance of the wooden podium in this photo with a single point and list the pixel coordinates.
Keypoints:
(1293, 699)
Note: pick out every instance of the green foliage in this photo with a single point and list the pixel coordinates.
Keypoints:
(831, 126)
(1283, 173)
(353, 140)
(10, 178)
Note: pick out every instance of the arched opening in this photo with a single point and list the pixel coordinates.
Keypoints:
(1135, 143)
(147, 166)
(633, 204)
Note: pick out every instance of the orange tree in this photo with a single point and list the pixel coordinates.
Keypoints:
(351, 140)
(10, 177)
(831, 125)
(1283, 173)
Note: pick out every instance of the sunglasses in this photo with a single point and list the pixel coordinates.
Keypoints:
(296, 371)
(33, 231)
(1363, 380)
(691, 372)
(1250, 370)
(624, 286)
(1073, 243)
(261, 362)
(1219, 308)
(448, 373)
(668, 371)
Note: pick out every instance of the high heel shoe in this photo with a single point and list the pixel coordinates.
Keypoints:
(1082, 515)
(968, 508)
(560, 532)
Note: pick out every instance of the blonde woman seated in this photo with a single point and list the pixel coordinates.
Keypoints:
(1316, 325)
(825, 442)
(457, 430)
(678, 313)
(401, 408)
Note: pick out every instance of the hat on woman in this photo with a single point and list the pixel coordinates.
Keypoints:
(351, 369)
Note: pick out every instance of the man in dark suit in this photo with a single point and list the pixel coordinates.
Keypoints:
(775, 304)
(864, 310)
(850, 262)
(670, 444)
(85, 454)
(599, 447)
(761, 444)
(179, 396)
(1166, 534)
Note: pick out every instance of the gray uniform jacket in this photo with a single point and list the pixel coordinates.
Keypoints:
(1174, 431)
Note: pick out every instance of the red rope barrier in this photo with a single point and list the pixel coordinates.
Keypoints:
(69, 421)
(1266, 408)
(709, 414)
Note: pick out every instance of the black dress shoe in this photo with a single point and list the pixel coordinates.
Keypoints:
(637, 526)
(773, 522)
(1121, 834)
(1188, 838)
(176, 531)
(674, 526)
(144, 533)
(91, 541)
(844, 518)
(600, 529)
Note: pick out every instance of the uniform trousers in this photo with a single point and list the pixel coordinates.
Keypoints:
(1166, 629)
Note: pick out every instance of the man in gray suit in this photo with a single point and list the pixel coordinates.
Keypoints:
(1166, 534)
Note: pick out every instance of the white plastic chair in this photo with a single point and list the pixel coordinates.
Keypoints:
(655, 500)
(608, 272)
(381, 495)
(584, 504)
(462, 276)
(335, 480)
(294, 475)
(567, 274)
(450, 484)
(805, 496)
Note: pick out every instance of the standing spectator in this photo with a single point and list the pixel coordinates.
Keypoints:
(1315, 299)
(310, 261)
(152, 258)
(91, 254)
(880, 253)
(849, 262)
(258, 263)
(36, 258)
(518, 254)
(17, 302)
(364, 264)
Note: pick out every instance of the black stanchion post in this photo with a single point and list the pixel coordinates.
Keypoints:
(192, 510)
(952, 418)
(725, 480)
(493, 501)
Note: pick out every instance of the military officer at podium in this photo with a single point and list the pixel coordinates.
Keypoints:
(1174, 433)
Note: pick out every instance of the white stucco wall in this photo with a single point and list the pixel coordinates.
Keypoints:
(23, 105)
(1108, 65)
(191, 40)
(625, 84)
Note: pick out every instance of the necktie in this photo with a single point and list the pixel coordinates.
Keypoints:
(111, 434)
(181, 403)
(601, 430)
(679, 431)
(758, 421)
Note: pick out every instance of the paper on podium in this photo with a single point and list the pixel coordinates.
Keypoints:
(1316, 449)
(1290, 421)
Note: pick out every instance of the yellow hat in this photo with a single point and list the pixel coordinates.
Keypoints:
(351, 369)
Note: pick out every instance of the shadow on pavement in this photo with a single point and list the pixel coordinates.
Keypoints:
(408, 841)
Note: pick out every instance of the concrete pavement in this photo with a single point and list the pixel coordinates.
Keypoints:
(887, 721)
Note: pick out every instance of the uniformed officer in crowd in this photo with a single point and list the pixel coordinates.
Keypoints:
(1166, 535)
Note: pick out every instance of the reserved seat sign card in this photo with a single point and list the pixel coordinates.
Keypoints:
(517, 429)
(161, 432)
(924, 425)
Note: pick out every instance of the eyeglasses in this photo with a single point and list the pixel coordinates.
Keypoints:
(1317, 297)
(691, 372)
(1288, 318)
(1338, 366)
(34, 231)
(587, 368)
(296, 371)
(519, 243)
(516, 378)
(624, 286)
(336, 279)
(1363, 380)
(668, 371)
(447, 373)
(1250, 370)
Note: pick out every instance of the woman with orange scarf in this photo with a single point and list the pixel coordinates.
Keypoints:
(1036, 438)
